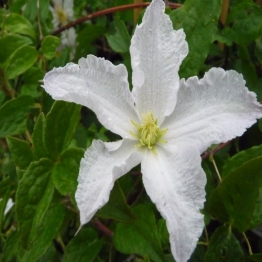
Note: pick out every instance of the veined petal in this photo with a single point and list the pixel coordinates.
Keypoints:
(156, 54)
(100, 167)
(212, 110)
(99, 85)
(175, 182)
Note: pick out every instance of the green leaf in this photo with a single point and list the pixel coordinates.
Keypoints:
(10, 43)
(241, 158)
(31, 82)
(66, 171)
(21, 152)
(199, 20)
(49, 46)
(2, 97)
(4, 186)
(10, 248)
(224, 247)
(86, 37)
(20, 61)
(120, 41)
(13, 115)
(256, 257)
(47, 232)
(235, 199)
(140, 237)
(163, 233)
(245, 20)
(33, 197)
(84, 247)
(61, 122)
(116, 208)
(38, 137)
(16, 23)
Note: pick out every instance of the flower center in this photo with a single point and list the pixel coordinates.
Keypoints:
(149, 132)
(62, 15)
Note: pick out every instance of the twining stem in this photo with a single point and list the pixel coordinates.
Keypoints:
(215, 166)
(105, 12)
(248, 244)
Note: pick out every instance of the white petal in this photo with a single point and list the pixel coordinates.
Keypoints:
(156, 54)
(98, 171)
(8, 206)
(212, 110)
(175, 182)
(68, 6)
(99, 85)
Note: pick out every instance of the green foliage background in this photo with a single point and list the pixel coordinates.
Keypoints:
(42, 141)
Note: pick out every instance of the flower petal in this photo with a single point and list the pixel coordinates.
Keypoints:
(102, 164)
(212, 110)
(175, 182)
(156, 54)
(99, 85)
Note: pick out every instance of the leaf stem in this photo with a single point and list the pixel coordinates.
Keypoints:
(248, 244)
(215, 166)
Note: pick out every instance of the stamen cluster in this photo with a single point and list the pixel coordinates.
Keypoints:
(149, 133)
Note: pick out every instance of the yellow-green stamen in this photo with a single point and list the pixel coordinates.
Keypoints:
(149, 132)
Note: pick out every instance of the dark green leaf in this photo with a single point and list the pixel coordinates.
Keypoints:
(245, 20)
(20, 61)
(10, 43)
(66, 171)
(256, 257)
(47, 232)
(10, 247)
(140, 237)
(4, 186)
(33, 197)
(241, 158)
(84, 247)
(61, 122)
(21, 152)
(116, 208)
(13, 115)
(235, 199)
(120, 41)
(199, 19)
(86, 37)
(2, 97)
(224, 247)
(49, 46)
(16, 23)
(38, 137)
(31, 81)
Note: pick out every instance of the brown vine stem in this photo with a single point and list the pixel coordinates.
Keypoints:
(206, 154)
(105, 230)
(223, 18)
(105, 12)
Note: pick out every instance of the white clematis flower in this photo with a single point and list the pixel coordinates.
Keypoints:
(165, 123)
(63, 12)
